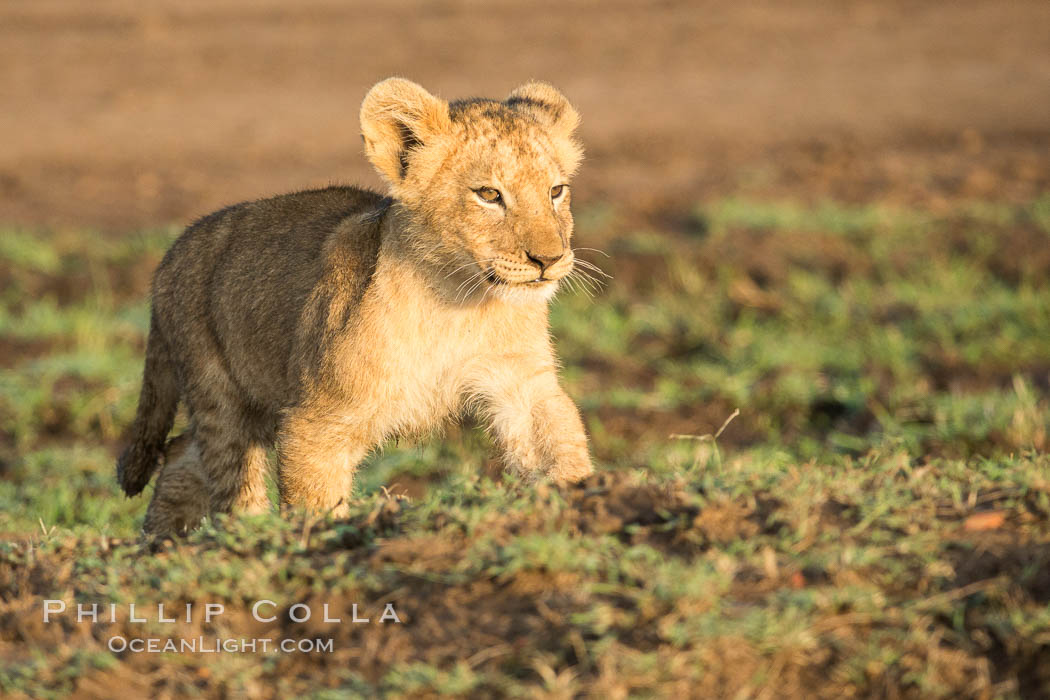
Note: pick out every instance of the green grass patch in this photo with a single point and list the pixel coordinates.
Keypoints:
(874, 521)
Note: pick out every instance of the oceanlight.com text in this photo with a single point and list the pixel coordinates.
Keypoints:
(205, 645)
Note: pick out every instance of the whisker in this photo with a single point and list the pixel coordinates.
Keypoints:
(587, 273)
(581, 288)
(591, 266)
(483, 296)
(589, 280)
(462, 289)
(466, 283)
(583, 274)
(472, 262)
(461, 296)
(602, 252)
(570, 283)
(458, 293)
(461, 267)
(579, 284)
(444, 265)
(473, 288)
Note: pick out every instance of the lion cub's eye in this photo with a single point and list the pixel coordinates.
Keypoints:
(489, 194)
(558, 190)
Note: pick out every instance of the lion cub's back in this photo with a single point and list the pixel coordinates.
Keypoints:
(241, 276)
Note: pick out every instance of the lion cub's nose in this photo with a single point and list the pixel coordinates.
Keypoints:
(544, 261)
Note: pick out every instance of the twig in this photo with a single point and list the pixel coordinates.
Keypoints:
(708, 436)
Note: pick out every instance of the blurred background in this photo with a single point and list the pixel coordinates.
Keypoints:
(119, 114)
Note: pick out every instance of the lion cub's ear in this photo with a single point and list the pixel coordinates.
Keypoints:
(544, 103)
(398, 117)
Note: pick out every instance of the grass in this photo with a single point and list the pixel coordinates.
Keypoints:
(875, 521)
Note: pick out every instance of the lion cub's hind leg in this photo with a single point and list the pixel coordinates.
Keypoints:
(233, 461)
(187, 490)
(180, 497)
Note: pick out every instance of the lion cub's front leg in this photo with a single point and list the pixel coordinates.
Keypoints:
(318, 456)
(537, 424)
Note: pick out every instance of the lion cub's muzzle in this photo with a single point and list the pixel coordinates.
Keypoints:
(535, 269)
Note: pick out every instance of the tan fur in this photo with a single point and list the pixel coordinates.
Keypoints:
(326, 322)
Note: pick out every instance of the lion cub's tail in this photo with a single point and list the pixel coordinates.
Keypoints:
(156, 414)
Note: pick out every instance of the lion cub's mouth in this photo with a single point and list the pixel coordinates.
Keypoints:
(495, 279)
(512, 274)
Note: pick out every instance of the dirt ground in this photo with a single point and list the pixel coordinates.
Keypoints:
(122, 114)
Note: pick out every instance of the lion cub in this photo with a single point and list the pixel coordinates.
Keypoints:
(328, 321)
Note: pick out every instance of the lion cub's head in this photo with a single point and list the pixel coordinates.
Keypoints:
(487, 181)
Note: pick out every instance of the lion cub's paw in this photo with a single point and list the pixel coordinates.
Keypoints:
(577, 468)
